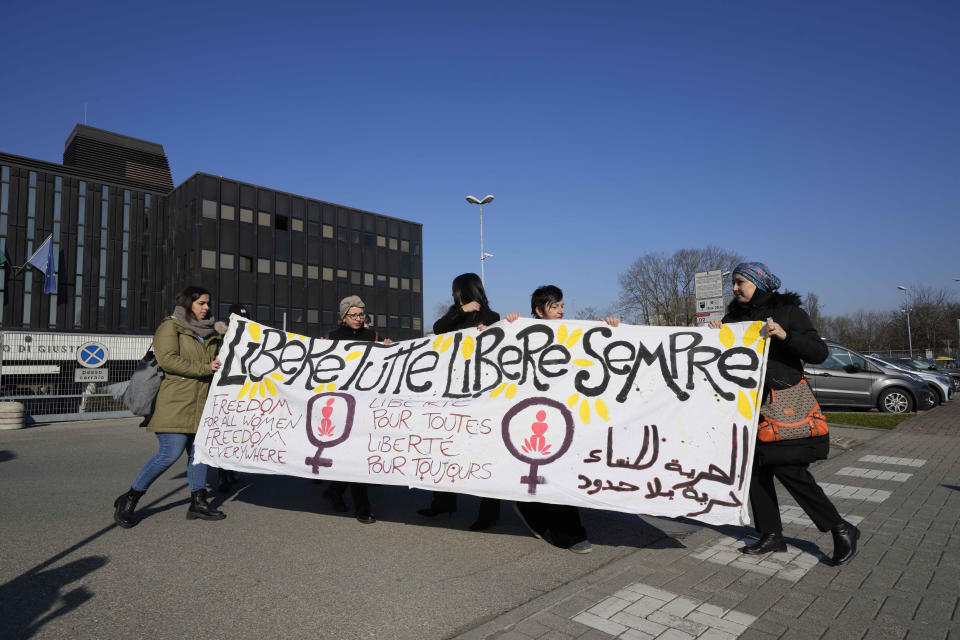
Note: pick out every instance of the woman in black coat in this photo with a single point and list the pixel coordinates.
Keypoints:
(793, 340)
(469, 309)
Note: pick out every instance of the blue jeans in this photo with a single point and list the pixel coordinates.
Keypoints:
(171, 446)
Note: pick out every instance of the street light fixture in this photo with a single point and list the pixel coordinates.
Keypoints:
(483, 256)
(907, 310)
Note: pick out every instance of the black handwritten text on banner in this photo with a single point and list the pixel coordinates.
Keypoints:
(656, 420)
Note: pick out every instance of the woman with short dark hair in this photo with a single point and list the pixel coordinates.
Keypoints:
(186, 345)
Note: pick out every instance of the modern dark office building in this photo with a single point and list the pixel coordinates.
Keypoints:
(126, 241)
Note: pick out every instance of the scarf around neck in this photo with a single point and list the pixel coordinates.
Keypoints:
(203, 328)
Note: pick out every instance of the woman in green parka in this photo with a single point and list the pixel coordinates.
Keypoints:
(186, 346)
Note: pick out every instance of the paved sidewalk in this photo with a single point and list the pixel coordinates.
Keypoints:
(902, 488)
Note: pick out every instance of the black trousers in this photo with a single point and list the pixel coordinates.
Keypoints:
(789, 462)
(361, 501)
(489, 507)
(561, 520)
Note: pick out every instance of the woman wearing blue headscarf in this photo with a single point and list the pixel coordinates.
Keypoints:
(793, 340)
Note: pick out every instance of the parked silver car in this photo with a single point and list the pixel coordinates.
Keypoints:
(847, 379)
(941, 385)
(926, 365)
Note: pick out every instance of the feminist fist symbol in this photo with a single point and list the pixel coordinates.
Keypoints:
(326, 425)
(537, 442)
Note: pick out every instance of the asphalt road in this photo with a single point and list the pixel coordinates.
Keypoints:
(280, 565)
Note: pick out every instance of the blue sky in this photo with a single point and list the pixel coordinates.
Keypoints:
(818, 137)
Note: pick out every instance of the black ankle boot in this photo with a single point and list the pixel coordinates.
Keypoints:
(200, 508)
(124, 506)
(844, 543)
(767, 543)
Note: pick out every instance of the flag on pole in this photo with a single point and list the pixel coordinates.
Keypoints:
(43, 260)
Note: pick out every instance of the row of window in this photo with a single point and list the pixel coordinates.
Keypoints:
(284, 223)
(270, 315)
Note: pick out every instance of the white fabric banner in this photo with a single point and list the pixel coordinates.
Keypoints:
(654, 420)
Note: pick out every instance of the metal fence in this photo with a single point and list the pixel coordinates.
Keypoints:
(67, 376)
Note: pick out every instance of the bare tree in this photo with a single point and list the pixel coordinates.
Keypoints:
(590, 313)
(658, 289)
(812, 305)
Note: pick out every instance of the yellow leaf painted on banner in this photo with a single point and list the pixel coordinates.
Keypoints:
(291, 335)
(276, 376)
(562, 334)
(752, 333)
(353, 356)
(602, 410)
(466, 349)
(573, 400)
(446, 344)
(263, 389)
(511, 390)
(318, 389)
(726, 336)
(585, 412)
(332, 386)
(499, 390)
(581, 362)
(572, 340)
(271, 386)
(254, 329)
(743, 404)
(761, 345)
(436, 342)
(253, 389)
(753, 396)
(244, 389)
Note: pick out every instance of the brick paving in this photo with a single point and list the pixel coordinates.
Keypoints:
(904, 583)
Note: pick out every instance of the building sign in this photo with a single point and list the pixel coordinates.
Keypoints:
(708, 284)
(657, 420)
(53, 346)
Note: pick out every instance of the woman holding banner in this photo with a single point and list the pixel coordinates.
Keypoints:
(186, 346)
(779, 452)
(469, 309)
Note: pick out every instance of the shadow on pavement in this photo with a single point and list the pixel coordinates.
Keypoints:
(25, 600)
(7, 456)
(951, 486)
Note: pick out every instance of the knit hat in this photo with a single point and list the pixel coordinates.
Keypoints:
(350, 301)
(759, 274)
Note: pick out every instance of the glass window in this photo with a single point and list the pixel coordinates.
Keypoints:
(416, 285)
(313, 316)
(341, 234)
(264, 219)
(296, 270)
(393, 244)
(313, 228)
(416, 323)
(368, 279)
(263, 313)
(263, 265)
(381, 241)
(279, 314)
(393, 322)
(210, 209)
(327, 273)
(405, 246)
(246, 215)
(368, 239)
(246, 263)
(381, 281)
(208, 259)
(381, 321)
(280, 268)
(342, 275)
(394, 282)
(327, 231)
(404, 322)
(313, 272)
(226, 261)
(297, 224)
(405, 284)
(227, 212)
(355, 277)
(281, 223)
(328, 318)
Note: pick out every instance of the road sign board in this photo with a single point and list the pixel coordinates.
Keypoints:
(92, 354)
(710, 304)
(704, 318)
(708, 284)
(90, 375)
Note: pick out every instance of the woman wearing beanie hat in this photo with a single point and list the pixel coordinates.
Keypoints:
(793, 340)
(352, 316)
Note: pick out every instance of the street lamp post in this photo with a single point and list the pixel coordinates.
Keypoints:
(483, 256)
(907, 309)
